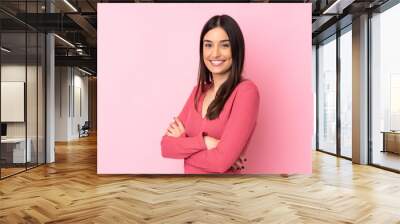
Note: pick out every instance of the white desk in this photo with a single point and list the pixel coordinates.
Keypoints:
(18, 149)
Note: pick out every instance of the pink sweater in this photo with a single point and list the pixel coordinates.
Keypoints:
(233, 128)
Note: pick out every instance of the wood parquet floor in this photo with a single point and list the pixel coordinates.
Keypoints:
(10, 171)
(70, 191)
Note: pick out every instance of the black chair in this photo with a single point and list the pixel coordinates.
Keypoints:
(84, 130)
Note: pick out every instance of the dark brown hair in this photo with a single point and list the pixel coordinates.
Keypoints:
(235, 77)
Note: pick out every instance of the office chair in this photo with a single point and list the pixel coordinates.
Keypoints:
(84, 130)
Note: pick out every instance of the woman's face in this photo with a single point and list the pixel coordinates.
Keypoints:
(217, 54)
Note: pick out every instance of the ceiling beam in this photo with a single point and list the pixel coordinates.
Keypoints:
(86, 26)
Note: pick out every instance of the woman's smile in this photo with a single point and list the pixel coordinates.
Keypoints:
(217, 63)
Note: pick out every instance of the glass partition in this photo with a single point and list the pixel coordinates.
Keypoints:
(327, 95)
(385, 89)
(14, 153)
(22, 63)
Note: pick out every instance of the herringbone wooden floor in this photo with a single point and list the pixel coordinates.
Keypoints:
(70, 191)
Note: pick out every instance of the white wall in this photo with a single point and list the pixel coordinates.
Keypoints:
(62, 81)
(71, 94)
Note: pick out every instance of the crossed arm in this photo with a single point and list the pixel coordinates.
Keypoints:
(199, 151)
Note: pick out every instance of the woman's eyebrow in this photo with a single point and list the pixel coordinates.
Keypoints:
(220, 41)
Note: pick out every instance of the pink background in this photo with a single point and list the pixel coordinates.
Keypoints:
(147, 66)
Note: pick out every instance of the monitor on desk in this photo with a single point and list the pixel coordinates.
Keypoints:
(3, 130)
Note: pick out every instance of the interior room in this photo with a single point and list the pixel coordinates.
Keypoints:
(49, 135)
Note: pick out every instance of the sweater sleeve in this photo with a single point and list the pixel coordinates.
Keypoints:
(183, 146)
(237, 132)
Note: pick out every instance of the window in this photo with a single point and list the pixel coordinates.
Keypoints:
(327, 95)
(385, 88)
(346, 75)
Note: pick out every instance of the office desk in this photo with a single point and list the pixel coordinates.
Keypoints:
(13, 150)
(391, 141)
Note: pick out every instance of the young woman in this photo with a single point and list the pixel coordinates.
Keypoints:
(213, 129)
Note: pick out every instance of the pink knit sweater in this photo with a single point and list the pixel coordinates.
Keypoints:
(233, 128)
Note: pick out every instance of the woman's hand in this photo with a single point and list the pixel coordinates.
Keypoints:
(176, 128)
(211, 142)
(239, 164)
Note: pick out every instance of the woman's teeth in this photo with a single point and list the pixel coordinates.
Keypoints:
(216, 62)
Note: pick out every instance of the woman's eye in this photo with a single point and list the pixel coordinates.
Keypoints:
(225, 45)
(207, 45)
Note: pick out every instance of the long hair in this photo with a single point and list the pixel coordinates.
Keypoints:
(235, 77)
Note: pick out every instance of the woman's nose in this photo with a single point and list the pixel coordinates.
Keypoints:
(215, 52)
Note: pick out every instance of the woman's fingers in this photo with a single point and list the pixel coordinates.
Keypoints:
(234, 167)
(177, 124)
(175, 128)
(239, 164)
(180, 124)
(174, 125)
(173, 131)
(167, 132)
